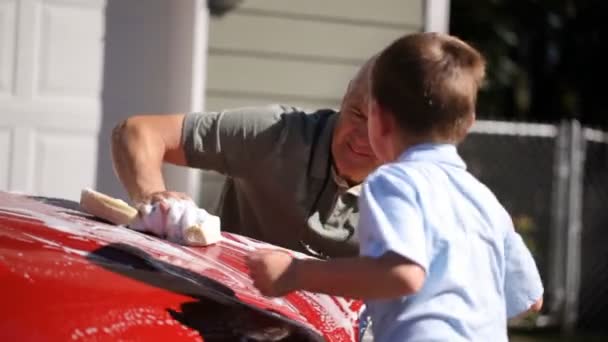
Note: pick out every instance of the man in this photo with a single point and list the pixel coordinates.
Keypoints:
(291, 174)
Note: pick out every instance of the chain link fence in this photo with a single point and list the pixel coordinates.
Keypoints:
(553, 181)
(593, 300)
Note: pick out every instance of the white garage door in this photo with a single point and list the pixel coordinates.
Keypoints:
(51, 55)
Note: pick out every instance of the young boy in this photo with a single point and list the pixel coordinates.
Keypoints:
(439, 258)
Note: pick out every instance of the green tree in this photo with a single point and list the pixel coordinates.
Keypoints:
(544, 60)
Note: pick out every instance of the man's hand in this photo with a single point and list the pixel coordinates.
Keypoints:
(163, 196)
(273, 272)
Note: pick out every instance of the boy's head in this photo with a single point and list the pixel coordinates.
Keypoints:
(424, 87)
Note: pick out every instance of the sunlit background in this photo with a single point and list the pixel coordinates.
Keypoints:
(71, 69)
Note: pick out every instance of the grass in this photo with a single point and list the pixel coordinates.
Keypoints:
(522, 336)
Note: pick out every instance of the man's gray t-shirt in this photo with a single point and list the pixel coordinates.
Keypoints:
(281, 187)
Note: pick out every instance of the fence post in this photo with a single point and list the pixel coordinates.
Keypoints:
(563, 284)
(573, 245)
(555, 287)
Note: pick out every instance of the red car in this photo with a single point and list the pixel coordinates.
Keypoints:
(67, 276)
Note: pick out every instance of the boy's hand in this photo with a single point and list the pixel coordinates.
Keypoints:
(536, 307)
(272, 272)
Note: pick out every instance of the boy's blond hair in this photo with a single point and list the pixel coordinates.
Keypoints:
(429, 82)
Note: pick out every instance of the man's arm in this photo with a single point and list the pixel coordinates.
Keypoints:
(275, 273)
(140, 145)
(229, 142)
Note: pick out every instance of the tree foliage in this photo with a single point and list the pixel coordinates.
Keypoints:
(544, 58)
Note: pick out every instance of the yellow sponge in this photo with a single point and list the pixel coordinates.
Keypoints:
(108, 208)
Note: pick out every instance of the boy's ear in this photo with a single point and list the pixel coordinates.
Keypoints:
(464, 127)
(372, 106)
(472, 119)
(388, 123)
(385, 119)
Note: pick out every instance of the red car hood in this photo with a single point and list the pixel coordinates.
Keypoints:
(67, 276)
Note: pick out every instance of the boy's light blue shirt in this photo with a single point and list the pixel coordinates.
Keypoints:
(429, 209)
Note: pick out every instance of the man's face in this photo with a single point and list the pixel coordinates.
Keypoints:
(351, 150)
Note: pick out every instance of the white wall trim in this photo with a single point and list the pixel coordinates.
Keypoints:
(200, 43)
(188, 70)
(437, 16)
(154, 63)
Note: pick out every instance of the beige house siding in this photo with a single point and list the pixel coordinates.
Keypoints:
(300, 53)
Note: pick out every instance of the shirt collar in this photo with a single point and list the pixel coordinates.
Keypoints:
(341, 182)
(440, 153)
